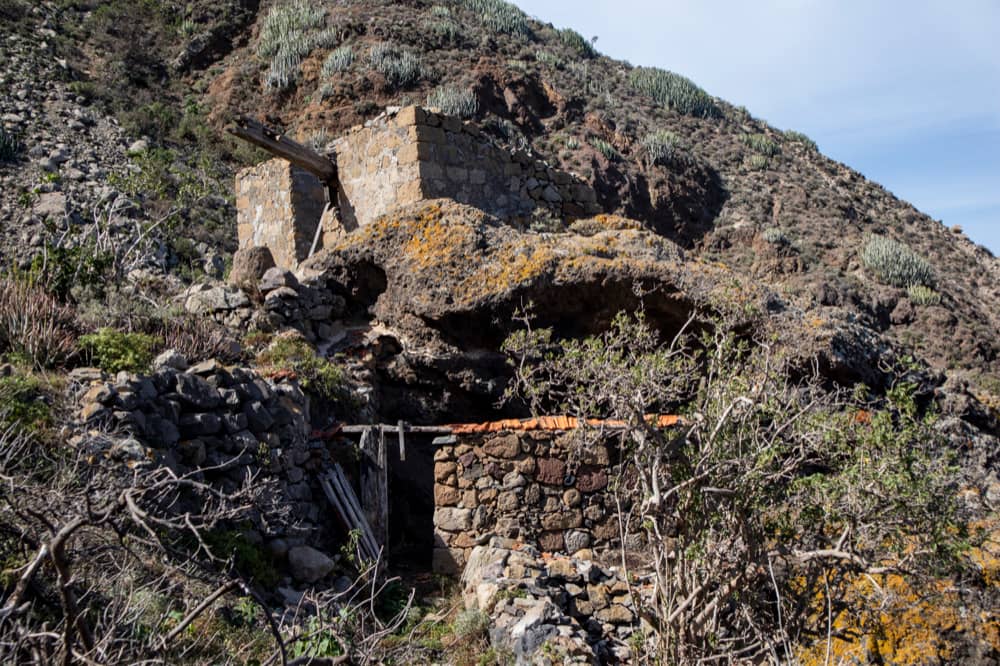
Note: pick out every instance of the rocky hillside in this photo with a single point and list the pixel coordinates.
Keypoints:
(90, 79)
(117, 245)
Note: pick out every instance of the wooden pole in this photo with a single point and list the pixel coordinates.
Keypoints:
(278, 144)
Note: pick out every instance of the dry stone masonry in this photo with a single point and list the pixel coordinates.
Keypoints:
(401, 157)
(552, 610)
(537, 487)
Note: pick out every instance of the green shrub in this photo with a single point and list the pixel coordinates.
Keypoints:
(775, 236)
(896, 264)
(339, 60)
(249, 559)
(454, 101)
(798, 137)
(922, 295)
(10, 145)
(577, 42)
(606, 149)
(549, 58)
(23, 403)
(760, 143)
(400, 68)
(500, 17)
(757, 162)
(444, 25)
(317, 375)
(114, 351)
(285, 39)
(661, 146)
(673, 91)
(35, 327)
(470, 624)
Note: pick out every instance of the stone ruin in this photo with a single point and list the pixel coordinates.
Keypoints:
(401, 157)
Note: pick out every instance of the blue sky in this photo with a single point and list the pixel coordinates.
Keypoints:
(906, 92)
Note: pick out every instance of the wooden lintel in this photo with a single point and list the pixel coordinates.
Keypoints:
(280, 145)
(429, 430)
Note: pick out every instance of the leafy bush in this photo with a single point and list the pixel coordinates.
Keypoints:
(34, 326)
(454, 101)
(317, 375)
(673, 91)
(400, 68)
(896, 264)
(10, 145)
(22, 403)
(606, 149)
(761, 144)
(500, 17)
(285, 40)
(339, 60)
(798, 137)
(661, 146)
(921, 295)
(115, 351)
(577, 42)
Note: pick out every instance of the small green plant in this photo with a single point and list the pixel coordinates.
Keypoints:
(549, 58)
(896, 264)
(443, 24)
(500, 17)
(470, 624)
(317, 375)
(400, 68)
(316, 642)
(673, 91)
(760, 144)
(248, 558)
(577, 42)
(922, 295)
(10, 145)
(339, 60)
(661, 146)
(775, 236)
(285, 39)
(606, 149)
(35, 328)
(454, 101)
(116, 351)
(757, 162)
(798, 137)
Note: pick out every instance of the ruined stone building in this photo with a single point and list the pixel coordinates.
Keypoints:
(402, 157)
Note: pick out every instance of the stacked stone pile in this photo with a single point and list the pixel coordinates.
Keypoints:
(537, 487)
(554, 610)
(279, 301)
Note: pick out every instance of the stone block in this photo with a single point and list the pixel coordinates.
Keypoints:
(452, 520)
(410, 115)
(551, 471)
(561, 520)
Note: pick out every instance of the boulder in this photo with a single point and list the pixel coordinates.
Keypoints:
(171, 358)
(216, 299)
(197, 392)
(309, 565)
(249, 266)
(274, 278)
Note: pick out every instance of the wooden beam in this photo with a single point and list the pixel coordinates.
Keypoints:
(278, 144)
(430, 430)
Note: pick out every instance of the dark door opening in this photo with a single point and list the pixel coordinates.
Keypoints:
(411, 503)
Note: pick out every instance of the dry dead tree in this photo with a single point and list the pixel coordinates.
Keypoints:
(87, 546)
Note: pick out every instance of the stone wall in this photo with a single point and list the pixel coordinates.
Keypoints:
(565, 610)
(279, 206)
(536, 487)
(415, 154)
